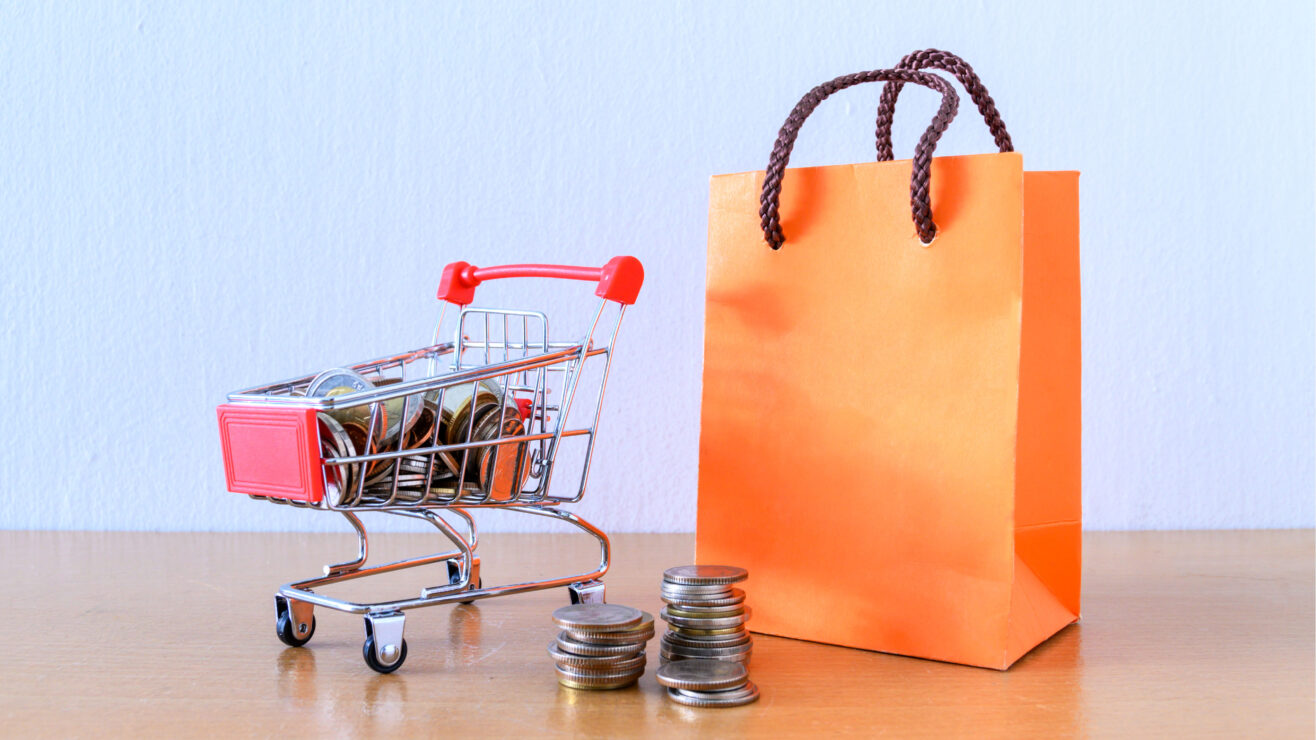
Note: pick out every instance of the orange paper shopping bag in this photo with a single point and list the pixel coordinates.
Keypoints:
(891, 413)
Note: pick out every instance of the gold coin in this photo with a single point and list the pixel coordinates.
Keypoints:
(699, 632)
(465, 399)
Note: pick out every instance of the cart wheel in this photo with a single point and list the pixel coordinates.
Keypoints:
(479, 584)
(288, 631)
(455, 577)
(587, 592)
(368, 652)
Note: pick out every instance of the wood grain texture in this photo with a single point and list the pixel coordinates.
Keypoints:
(1190, 633)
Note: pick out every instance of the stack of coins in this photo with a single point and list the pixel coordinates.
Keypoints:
(701, 682)
(705, 615)
(601, 646)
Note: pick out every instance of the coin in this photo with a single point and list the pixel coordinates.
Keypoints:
(678, 652)
(731, 698)
(476, 397)
(696, 589)
(597, 683)
(430, 430)
(665, 657)
(341, 381)
(402, 412)
(501, 468)
(334, 443)
(703, 623)
(598, 663)
(702, 675)
(733, 598)
(642, 631)
(705, 574)
(722, 641)
(597, 617)
(693, 632)
(699, 610)
(569, 644)
(337, 377)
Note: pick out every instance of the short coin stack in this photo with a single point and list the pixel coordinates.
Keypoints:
(707, 683)
(705, 615)
(601, 646)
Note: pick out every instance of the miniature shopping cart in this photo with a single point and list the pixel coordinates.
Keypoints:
(483, 421)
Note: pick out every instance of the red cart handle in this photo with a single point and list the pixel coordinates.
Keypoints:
(619, 280)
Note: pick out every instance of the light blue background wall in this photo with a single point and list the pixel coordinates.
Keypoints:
(195, 197)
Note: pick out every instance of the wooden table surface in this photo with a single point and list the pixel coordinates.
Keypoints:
(1190, 633)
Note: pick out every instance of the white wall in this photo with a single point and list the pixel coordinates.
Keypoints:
(195, 197)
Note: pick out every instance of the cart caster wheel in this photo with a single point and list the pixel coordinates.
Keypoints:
(455, 577)
(479, 584)
(368, 652)
(294, 621)
(288, 632)
(586, 592)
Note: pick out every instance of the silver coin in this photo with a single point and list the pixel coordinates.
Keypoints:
(597, 617)
(694, 599)
(641, 631)
(705, 574)
(712, 653)
(738, 659)
(747, 694)
(702, 674)
(609, 667)
(732, 598)
(695, 589)
(669, 657)
(566, 658)
(703, 623)
(340, 381)
(337, 377)
(706, 612)
(569, 644)
(603, 638)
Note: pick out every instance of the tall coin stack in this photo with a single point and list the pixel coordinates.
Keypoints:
(705, 614)
(601, 646)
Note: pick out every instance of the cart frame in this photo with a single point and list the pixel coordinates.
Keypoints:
(273, 436)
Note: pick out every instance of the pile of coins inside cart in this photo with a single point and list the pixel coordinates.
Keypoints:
(475, 412)
(601, 646)
(705, 614)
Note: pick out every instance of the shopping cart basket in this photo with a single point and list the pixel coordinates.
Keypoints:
(475, 423)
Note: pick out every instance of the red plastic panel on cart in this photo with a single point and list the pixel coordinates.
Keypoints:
(271, 451)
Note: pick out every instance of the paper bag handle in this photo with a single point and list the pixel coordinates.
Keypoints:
(922, 165)
(948, 62)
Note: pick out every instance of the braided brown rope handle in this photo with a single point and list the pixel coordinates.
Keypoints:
(943, 60)
(922, 169)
